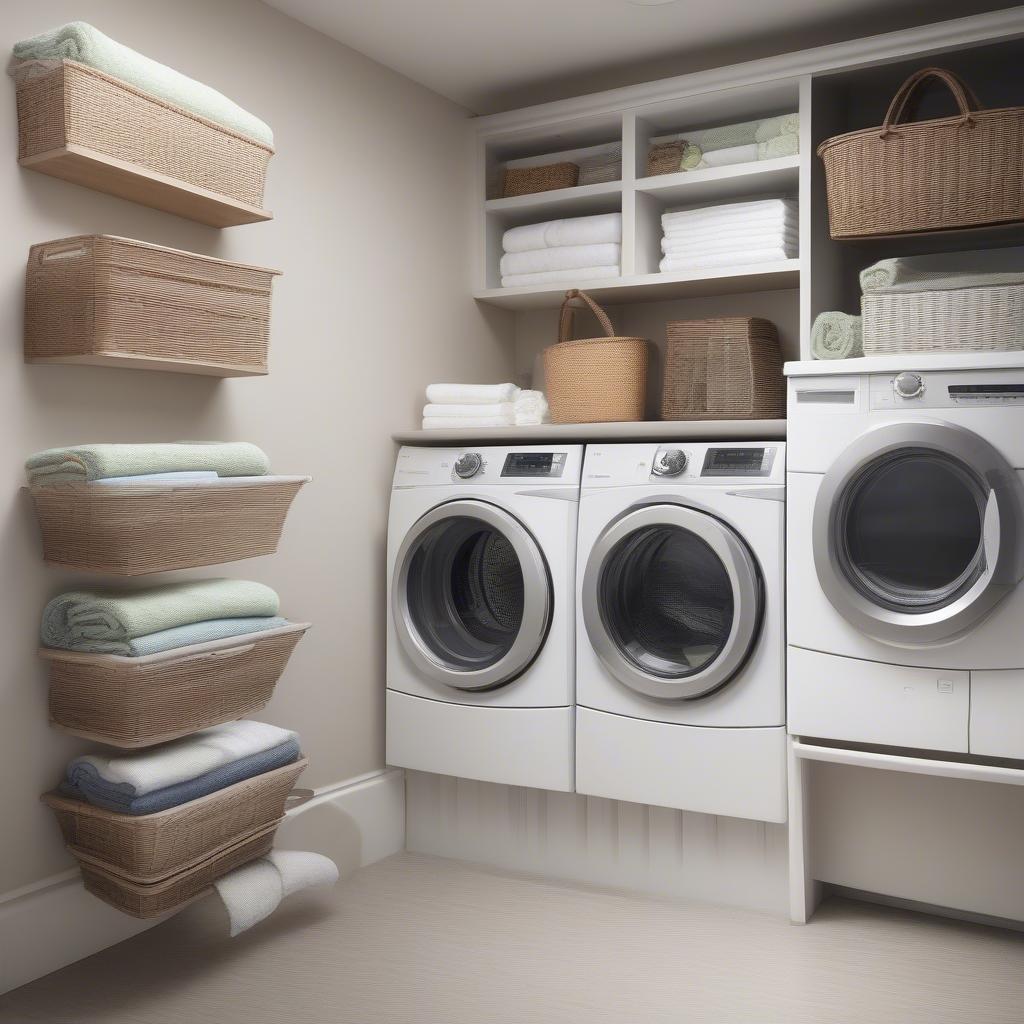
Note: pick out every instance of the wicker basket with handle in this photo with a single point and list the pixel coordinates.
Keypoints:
(524, 181)
(109, 300)
(138, 702)
(951, 172)
(595, 380)
(725, 368)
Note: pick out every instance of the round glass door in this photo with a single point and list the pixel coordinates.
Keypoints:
(672, 601)
(471, 595)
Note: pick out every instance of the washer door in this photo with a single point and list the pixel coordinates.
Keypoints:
(672, 601)
(917, 532)
(471, 596)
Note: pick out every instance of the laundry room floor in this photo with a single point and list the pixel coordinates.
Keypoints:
(417, 940)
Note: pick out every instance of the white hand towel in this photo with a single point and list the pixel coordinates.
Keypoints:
(602, 227)
(185, 758)
(583, 275)
(677, 246)
(566, 257)
(737, 228)
(471, 394)
(732, 155)
(465, 422)
(507, 410)
(710, 216)
(254, 891)
(531, 409)
(726, 259)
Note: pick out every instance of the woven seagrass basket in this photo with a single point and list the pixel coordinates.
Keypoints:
(726, 368)
(137, 702)
(151, 846)
(595, 380)
(524, 181)
(103, 299)
(951, 172)
(135, 529)
(152, 898)
(64, 104)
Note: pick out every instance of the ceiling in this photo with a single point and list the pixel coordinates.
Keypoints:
(490, 55)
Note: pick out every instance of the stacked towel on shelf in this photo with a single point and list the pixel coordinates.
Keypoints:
(455, 406)
(88, 462)
(735, 234)
(139, 622)
(945, 271)
(185, 769)
(79, 41)
(746, 142)
(575, 249)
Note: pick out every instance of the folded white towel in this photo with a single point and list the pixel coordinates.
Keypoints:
(463, 422)
(507, 410)
(681, 246)
(566, 257)
(180, 760)
(726, 259)
(254, 891)
(471, 394)
(602, 227)
(707, 216)
(583, 275)
(531, 409)
(732, 229)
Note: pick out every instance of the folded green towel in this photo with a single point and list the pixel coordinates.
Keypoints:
(692, 156)
(836, 336)
(101, 461)
(772, 127)
(945, 271)
(744, 133)
(81, 42)
(781, 145)
(106, 621)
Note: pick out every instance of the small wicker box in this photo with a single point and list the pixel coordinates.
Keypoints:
(106, 300)
(727, 368)
(157, 845)
(136, 529)
(523, 181)
(137, 702)
(81, 124)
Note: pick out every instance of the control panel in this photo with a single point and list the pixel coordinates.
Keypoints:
(911, 389)
(738, 462)
(518, 466)
(533, 464)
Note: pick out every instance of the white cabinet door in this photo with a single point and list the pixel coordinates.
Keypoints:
(997, 713)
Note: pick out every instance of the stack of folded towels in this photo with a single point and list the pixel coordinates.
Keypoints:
(736, 234)
(452, 406)
(576, 250)
(140, 622)
(186, 769)
(746, 142)
(175, 463)
(79, 41)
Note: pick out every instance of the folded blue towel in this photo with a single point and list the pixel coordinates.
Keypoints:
(200, 633)
(84, 782)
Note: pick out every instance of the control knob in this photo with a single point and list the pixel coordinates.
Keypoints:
(670, 462)
(468, 465)
(908, 385)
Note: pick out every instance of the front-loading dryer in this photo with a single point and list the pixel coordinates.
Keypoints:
(680, 683)
(480, 636)
(906, 552)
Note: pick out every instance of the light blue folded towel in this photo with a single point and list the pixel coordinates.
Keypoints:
(201, 633)
(85, 44)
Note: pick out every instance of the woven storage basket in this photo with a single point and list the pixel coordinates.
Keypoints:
(952, 172)
(989, 319)
(137, 529)
(601, 168)
(595, 380)
(137, 702)
(64, 104)
(664, 158)
(156, 845)
(103, 299)
(524, 181)
(150, 899)
(728, 368)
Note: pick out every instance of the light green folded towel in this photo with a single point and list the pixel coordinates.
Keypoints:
(744, 133)
(782, 145)
(944, 271)
(692, 156)
(105, 622)
(772, 127)
(81, 42)
(837, 336)
(84, 462)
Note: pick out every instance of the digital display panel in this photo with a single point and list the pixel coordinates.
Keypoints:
(735, 462)
(533, 464)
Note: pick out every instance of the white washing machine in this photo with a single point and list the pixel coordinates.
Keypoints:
(906, 552)
(680, 673)
(480, 635)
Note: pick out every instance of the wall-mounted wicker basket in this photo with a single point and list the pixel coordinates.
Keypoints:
(77, 123)
(109, 301)
(137, 702)
(152, 846)
(135, 529)
(150, 898)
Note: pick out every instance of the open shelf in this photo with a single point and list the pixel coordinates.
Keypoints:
(724, 183)
(86, 167)
(562, 202)
(648, 430)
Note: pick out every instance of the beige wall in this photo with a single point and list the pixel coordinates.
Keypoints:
(371, 232)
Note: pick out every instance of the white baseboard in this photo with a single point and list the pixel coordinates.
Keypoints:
(54, 922)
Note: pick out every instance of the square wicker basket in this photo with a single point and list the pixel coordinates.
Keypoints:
(135, 529)
(115, 301)
(138, 702)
